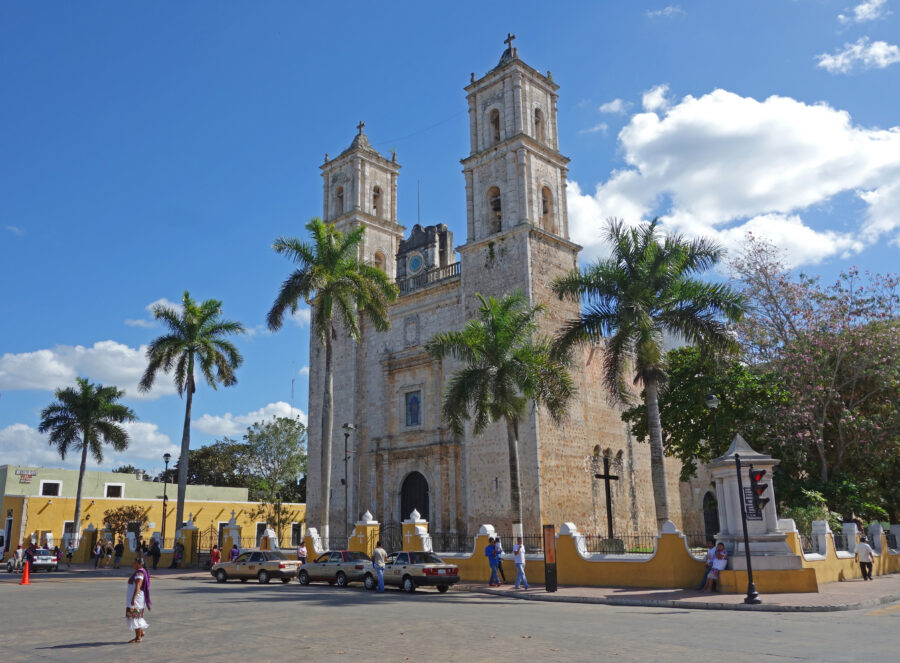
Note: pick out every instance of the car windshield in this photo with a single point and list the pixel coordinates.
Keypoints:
(353, 556)
(275, 554)
(42, 552)
(425, 558)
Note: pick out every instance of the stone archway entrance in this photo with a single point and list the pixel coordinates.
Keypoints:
(710, 516)
(414, 495)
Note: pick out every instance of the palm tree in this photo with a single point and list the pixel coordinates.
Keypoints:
(643, 290)
(332, 279)
(196, 338)
(506, 365)
(84, 418)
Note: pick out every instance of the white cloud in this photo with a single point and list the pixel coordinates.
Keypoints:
(140, 322)
(655, 98)
(870, 10)
(107, 362)
(597, 128)
(235, 425)
(23, 445)
(616, 106)
(301, 317)
(721, 164)
(15, 230)
(151, 321)
(863, 54)
(304, 370)
(147, 443)
(666, 12)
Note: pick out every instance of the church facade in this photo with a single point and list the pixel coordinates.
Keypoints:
(400, 455)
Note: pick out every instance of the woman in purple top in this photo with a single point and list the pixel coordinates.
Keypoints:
(137, 600)
(235, 551)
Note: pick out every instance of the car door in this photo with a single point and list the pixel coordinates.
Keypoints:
(318, 568)
(239, 567)
(335, 563)
(398, 568)
(254, 564)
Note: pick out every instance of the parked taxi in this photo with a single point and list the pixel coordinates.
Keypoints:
(409, 570)
(260, 564)
(337, 567)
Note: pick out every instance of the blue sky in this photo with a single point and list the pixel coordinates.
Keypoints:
(150, 148)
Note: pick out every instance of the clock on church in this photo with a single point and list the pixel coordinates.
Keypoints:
(415, 264)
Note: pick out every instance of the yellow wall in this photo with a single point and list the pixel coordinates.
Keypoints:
(836, 569)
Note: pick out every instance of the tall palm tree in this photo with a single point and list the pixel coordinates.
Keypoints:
(507, 364)
(84, 418)
(644, 289)
(333, 280)
(196, 339)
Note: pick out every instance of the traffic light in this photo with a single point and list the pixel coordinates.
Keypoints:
(757, 488)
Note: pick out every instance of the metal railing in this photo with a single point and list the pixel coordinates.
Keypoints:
(809, 544)
(411, 283)
(891, 540)
(841, 542)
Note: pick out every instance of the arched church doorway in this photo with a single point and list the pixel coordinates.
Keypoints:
(414, 495)
(710, 515)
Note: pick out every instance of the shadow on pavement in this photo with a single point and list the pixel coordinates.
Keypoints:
(82, 645)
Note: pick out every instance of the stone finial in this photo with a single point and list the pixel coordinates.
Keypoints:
(472, 77)
(232, 522)
(367, 516)
(415, 515)
(326, 156)
(486, 530)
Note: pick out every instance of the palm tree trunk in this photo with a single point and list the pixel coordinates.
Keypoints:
(327, 425)
(657, 455)
(185, 449)
(515, 492)
(84, 450)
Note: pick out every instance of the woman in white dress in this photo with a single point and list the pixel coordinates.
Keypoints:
(137, 600)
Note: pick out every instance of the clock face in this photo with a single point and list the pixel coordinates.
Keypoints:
(415, 264)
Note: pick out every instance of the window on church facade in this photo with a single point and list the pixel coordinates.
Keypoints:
(538, 125)
(495, 210)
(547, 210)
(494, 119)
(379, 260)
(339, 201)
(376, 202)
(414, 408)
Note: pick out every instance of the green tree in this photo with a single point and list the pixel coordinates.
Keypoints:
(84, 418)
(218, 464)
(196, 339)
(275, 457)
(332, 279)
(128, 469)
(507, 365)
(644, 290)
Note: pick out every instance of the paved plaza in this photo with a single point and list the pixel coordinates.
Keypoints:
(79, 617)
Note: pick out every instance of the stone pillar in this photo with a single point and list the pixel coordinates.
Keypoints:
(313, 544)
(895, 532)
(852, 535)
(230, 537)
(768, 544)
(365, 534)
(875, 533)
(415, 533)
(187, 535)
(269, 540)
(821, 534)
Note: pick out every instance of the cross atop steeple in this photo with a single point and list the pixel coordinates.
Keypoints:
(509, 39)
(360, 127)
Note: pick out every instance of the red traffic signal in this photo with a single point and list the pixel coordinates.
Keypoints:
(757, 488)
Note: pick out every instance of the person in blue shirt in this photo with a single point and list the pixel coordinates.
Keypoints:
(491, 553)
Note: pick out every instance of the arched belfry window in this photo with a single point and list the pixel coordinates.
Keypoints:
(376, 202)
(379, 260)
(495, 210)
(547, 210)
(494, 120)
(538, 125)
(339, 201)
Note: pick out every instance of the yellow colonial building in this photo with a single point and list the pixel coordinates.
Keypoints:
(38, 505)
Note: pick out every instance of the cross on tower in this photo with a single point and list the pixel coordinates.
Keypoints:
(607, 477)
(360, 126)
(509, 39)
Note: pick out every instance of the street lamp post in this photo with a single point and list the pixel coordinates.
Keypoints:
(752, 597)
(348, 428)
(166, 458)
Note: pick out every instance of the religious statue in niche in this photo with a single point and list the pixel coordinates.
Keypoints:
(413, 408)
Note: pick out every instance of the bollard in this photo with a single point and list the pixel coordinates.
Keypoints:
(26, 576)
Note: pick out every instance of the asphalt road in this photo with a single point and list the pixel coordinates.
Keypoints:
(82, 619)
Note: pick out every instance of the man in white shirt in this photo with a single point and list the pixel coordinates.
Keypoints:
(519, 554)
(379, 556)
(865, 556)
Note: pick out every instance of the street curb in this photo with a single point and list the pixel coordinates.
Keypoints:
(682, 605)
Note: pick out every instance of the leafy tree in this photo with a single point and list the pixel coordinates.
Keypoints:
(84, 418)
(197, 339)
(275, 457)
(221, 463)
(332, 279)
(118, 519)
(644, 289)
(128, 469)
(507, 365)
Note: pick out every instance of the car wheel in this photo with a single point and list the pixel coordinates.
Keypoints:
(408, 585)
(304, 578)
(443, 588)
(285, 580)
(370, 582)
(341, 579)
(221, 576)
(263, 577)
(244, 579)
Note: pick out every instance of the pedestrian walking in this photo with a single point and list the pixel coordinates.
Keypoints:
(490, 551)
(70, 551)
(379, 557)
(215, 556)
(235, 551)
(519, 555)
(19, 558)
(97, 553)
(108, 554)
(137, 600)
(155, 553)
(865, 556)
(301, 553)
(499, 549)
(119, 551)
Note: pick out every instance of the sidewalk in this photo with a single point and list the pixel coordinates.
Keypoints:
(88, 570)
(849, 595)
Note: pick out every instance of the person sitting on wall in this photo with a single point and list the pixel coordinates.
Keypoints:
(719, 564)
(710, 556)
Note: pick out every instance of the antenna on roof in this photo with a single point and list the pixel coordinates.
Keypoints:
(419, 202)
(293, 366)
